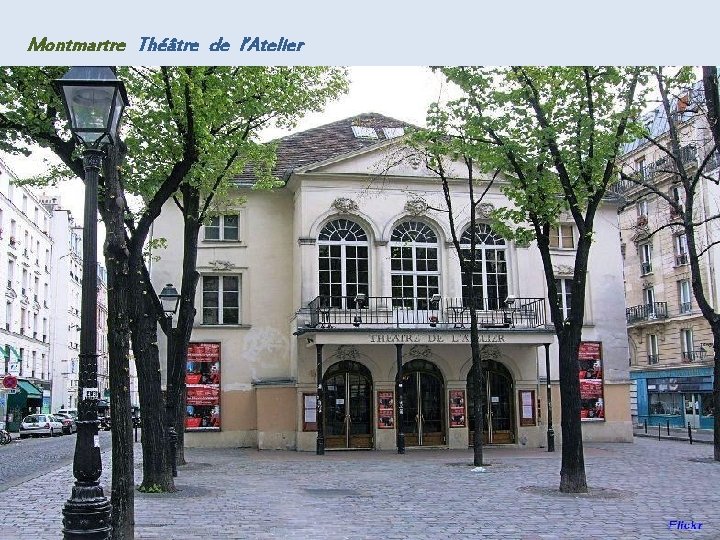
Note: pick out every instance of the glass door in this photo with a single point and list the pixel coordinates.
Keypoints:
(348, 406)
(692, 410)
(499, 416)
(423, 393)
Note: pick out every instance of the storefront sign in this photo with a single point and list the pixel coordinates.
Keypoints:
(592, 398)
(526, 398)
(457, 408)
(202, 380)
(435, 338)
(386, 410)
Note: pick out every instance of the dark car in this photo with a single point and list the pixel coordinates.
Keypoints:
(68, 422)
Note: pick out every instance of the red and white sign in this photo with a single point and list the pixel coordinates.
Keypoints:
(9, 381)
(203, 352)
(201, 394)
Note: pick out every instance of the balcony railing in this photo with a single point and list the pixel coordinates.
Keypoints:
(436, 312)
(645, 268)
(681, 259)
(697, 355)
(685, 307)
(646, 312)
(653, 358)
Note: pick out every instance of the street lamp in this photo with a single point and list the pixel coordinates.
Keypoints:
(170, 299)
(94, 102)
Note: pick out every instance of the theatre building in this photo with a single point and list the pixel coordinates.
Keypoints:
(347, 276)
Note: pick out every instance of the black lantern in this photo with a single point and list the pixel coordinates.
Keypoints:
(170, 299)
(94, 100)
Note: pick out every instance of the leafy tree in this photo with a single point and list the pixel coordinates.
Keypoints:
(680, 180)
(189, 130)
(554, 133)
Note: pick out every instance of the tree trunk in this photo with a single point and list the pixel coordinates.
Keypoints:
(123, 481)
(479, 396)
(157, 474)
(186, 316)
(716, 390)
(572, 471)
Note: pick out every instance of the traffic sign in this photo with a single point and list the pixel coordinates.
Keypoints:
(9, 381)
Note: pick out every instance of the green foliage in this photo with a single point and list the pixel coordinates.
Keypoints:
(152, 488)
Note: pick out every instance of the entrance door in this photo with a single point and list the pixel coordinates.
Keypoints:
(692, 410)
(423, 392)
(499, 425)
(348, 406)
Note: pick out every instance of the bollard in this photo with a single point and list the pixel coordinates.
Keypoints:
(689, 433)
(173, 438)
(136, 432)
(659, 431)
(645, 422)
(668, 428)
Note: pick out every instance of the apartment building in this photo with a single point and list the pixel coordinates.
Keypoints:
(670, 343)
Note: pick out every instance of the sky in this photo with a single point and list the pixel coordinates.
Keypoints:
(400, 92)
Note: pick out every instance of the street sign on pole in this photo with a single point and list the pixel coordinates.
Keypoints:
(9, 381)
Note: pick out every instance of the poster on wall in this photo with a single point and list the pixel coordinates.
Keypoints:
(386, 410)
(457, 408)
(527, 407)
(592, 396)
(202, 381)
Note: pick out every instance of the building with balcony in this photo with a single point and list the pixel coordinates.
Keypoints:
(349, 269)
(26, 245)
(671, 352)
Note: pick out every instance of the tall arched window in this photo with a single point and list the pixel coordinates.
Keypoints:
(343, 252)
(414, 270)
(490, 279)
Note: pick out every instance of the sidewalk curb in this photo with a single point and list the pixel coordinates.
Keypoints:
(671, 438)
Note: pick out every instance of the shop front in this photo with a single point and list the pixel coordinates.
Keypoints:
(26, 400)
(680, 397)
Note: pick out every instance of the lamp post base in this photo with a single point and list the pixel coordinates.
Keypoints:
(86, 513)
(551, 440)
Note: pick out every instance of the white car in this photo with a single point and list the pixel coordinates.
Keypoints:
(40, 424)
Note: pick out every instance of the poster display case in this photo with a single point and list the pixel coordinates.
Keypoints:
(457, 408)
(592, 395)
(202, 382)
(386, 410)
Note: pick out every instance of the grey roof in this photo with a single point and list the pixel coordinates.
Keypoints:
(656, 120)
(325, 142)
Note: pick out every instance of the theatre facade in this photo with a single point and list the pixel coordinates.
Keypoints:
(337, 302)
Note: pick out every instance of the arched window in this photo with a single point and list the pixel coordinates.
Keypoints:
(343, 262)
(414, 270)
(490, 279)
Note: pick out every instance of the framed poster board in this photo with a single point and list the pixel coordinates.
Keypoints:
(309, 412)
(386, 410)
(457, 408)
(526, 402)
(590, 372)
(202, 387)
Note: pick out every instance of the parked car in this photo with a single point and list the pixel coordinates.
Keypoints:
(40, 424)
(68, 422)
(71, 412)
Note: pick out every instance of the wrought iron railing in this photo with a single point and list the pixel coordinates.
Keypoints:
(646, 312)
(434, 312)
(697, 355)
(653, 358)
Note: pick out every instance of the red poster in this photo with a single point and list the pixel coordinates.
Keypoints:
(457, 408)
(202, 380)
(590, 372)
(386, 410)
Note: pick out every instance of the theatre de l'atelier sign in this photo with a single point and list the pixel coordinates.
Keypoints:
(432, 338)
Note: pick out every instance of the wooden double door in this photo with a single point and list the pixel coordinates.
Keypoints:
(348, 406)
(499, 425)
(423, 397)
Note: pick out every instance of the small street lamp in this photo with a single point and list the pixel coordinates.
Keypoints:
(94, 102)
(170, 299)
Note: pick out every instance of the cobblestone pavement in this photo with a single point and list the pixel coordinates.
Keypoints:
(433, 494)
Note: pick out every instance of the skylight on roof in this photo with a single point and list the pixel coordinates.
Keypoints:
(394, 132)
(362, 132)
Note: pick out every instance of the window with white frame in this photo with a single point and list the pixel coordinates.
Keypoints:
(564, 294)
(676, 195)
(649, 297)
(223, 228)
(645, 258)
(681, 250)
(343, 263)
(414, 269)
(686, 344)
(684, 296)
(8, 315)
(652, 349)
(490, 278)
(221, 299)
(562, 236)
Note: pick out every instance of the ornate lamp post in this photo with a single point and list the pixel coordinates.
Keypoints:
(94, 102)
(170, 299)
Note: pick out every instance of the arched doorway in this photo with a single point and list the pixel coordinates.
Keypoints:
(499, 426)
(348, 406)
(423, 398)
